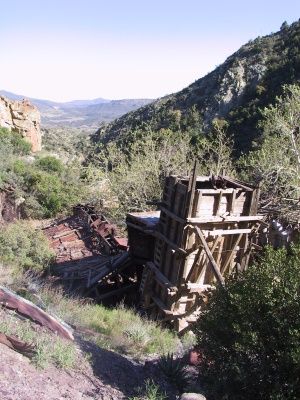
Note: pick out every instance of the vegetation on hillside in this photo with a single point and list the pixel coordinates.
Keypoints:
(244, 357)
(249, 334)
(43, 184)
(24, 248)
(267, 62)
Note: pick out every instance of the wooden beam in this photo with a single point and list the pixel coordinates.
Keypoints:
(214, 265)
(231, 254)
(191, 192)
(221, 232)
(140, 228)
(174, 246)
(229, 219)
(172, 215)
(160, 278)
(197, 288)
(162, 306)
(28, 309)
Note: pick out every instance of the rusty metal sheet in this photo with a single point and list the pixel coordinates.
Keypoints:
(17, 345)
(25, 307)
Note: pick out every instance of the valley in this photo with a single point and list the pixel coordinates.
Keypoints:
(161, 235)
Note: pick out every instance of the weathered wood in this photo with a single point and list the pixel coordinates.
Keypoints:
(191, 192)
(202, 222)
(111, 267)
(173, 215)
(25, 307)
(65, 233)
(210, 256)
(173, 245)
(231, 254)
(161, 279)
(229, 219)
(219, 232)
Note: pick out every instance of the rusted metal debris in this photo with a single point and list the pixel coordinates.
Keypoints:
(91, 258)
(107, 233)
(84, 235)
(17, 345)
(26, 308)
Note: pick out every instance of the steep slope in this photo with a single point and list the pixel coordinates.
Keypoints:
(78, 113)
(247, 80)
(23, 117)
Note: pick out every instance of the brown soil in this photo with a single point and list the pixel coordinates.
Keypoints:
(107, 376)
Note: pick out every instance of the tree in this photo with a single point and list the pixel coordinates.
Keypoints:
(277, 162)
(249, 334)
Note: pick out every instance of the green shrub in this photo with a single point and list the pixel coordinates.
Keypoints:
(47, 347)
(19, 144)
(50, 164)
(24, 247)
(249, 334)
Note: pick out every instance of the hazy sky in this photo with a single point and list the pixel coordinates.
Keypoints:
(80, 49)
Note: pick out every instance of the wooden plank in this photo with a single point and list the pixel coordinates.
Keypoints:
(231, 254)
(229, 218)
(116, 292)
(197, 288)
(162, 306)
(172, 215)
(161, 279)
(191, 192)
(140, 228)
(216, 191)
(210, 256)
(159, 235)
(218, 202)
(231, 205)
(219, 232)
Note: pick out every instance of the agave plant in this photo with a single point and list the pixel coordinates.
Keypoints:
(176, 371)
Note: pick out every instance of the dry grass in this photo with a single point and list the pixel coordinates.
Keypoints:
(49, 348)
(120, 329)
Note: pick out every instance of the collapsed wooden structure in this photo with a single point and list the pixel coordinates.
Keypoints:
(207, 227)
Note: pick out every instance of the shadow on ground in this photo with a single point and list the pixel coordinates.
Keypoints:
(124, 374)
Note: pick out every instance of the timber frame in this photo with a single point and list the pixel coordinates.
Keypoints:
(207, 228)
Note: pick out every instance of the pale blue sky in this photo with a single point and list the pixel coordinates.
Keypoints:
(65, 50)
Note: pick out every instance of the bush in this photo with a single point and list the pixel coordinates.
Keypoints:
(250, 332)
(50, 164)
(24, 247)
(19, 144)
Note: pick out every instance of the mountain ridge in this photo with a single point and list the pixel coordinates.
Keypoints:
(248, 80)
(79, 113)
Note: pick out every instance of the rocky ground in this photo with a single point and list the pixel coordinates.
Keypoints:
(99, 374)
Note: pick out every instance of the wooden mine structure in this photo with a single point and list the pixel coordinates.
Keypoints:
(206, 228)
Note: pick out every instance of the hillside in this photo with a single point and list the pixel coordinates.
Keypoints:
(247, 81)
(80, 113)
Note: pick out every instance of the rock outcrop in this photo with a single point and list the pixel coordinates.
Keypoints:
(22, 117)
(247, 82)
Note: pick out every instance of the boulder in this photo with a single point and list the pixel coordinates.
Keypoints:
(22, 117)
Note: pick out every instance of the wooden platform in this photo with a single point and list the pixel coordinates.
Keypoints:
(205, 230)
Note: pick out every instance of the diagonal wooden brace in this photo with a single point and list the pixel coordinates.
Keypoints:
(213, 263)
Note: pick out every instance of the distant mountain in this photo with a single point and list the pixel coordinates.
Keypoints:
(80, 113)
(247, 81)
